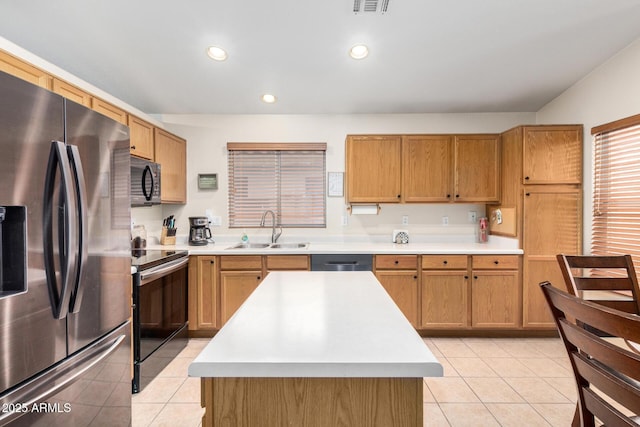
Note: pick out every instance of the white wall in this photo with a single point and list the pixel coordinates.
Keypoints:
(609, 93)
(207, 136)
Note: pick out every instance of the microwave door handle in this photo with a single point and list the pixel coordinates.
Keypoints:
(58, 160)
(81, 250)
(147, 196)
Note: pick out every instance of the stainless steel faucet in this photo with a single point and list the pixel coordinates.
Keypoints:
(274, 235)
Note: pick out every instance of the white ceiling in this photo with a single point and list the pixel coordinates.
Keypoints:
(426, 55)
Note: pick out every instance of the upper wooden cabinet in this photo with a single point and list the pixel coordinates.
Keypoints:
(426, 168)
(18, 68)
(171, 153)
(477, 168)
(109, 110)
(552, 154)
(373, 170)
(423, 168)
(71, 92)
(141, 137)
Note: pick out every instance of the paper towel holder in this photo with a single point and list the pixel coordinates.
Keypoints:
(364, 209)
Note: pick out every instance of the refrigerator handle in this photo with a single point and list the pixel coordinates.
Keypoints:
(82, 246)
(147, 196)
(58, 160)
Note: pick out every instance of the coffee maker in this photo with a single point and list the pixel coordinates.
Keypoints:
(199, 232)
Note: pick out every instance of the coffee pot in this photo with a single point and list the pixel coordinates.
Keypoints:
(199, 232)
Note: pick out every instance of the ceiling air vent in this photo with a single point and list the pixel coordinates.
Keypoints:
(379, 6)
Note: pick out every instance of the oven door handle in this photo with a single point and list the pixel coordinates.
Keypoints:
(162, 270)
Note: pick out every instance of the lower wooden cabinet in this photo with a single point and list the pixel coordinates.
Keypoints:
(203, 293)
(398, 274)
(445, 299)
(494, 299)
(483, 293)
(219, 284)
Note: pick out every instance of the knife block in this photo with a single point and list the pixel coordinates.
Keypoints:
(168, 236)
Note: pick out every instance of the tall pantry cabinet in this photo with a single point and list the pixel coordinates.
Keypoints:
(541, 205)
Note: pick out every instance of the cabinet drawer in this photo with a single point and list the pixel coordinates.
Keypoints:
(241, 262)
(401, 262)
(444, 262)
(287, 262)
(495, 262)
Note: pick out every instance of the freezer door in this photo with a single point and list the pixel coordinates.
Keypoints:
(99, 152)
(31, 339)
(91, 388)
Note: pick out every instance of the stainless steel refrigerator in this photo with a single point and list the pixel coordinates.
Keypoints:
(65, 290)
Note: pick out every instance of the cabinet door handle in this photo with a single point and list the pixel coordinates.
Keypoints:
(448, 196)
(475, 277)
(212, 262)
(415, 277)
(258, 277)
(457, 195)
(398, 196)
(527, 194)
(526, 178)
(133, 147)
(466, 277)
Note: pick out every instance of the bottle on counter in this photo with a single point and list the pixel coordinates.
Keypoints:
(483, 230)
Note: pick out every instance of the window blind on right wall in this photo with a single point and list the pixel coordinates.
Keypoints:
(616, 188)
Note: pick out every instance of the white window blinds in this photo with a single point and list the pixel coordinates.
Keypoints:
(616, 188)
(287, 179)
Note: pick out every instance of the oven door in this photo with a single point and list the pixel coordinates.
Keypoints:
(160, 306)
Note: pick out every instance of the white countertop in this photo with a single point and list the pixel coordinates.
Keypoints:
(317, 324)
(497, 246)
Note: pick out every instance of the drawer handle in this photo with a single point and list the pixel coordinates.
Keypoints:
(496, 262)
(396, 262)
(445, 262)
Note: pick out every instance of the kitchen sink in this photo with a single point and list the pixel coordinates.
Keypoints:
(269, 246)
(249, 246)
(289, 245)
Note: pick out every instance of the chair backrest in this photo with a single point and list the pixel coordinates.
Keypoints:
(604, 368)
(607, 280)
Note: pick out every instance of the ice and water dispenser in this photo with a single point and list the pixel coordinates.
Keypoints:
(13, 250)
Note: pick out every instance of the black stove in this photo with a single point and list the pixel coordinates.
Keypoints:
(145, 259)
(160, 318)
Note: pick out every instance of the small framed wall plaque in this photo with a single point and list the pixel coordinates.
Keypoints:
(335, 184)
(208, 181)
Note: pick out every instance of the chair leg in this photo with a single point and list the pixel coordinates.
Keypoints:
(576, 417)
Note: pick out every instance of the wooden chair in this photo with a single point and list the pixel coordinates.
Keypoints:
(607, 280)
(607, 374)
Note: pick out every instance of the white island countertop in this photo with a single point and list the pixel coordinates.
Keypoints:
(317, 324)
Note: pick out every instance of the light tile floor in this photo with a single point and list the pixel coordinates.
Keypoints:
(487, 382)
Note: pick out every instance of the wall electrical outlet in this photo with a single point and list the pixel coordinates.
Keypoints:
(216, 221)
(405, 219)
(445, 220)
(473, 216)
(345, 220)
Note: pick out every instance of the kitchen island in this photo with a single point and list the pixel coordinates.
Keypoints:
(315, 349)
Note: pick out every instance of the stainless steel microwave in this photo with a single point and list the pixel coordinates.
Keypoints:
(145, 182)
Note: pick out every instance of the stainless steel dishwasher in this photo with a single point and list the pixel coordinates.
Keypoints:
(341, 262)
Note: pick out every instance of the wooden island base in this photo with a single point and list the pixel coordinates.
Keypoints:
(312, 402)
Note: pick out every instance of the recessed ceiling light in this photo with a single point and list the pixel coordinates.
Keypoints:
(217, 53)
(359, 51)
(268, 98)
